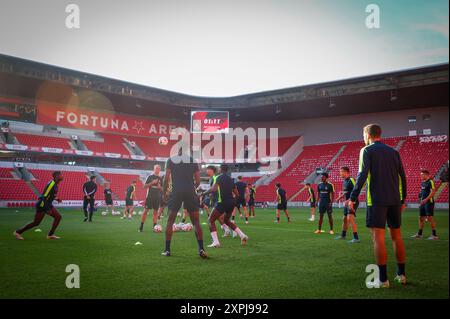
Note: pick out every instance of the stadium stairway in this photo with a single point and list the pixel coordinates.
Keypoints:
(443, 186)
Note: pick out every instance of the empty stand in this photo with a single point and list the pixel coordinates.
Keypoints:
(111, 144)
(43, 141)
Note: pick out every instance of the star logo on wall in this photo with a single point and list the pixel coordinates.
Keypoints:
(138, 126)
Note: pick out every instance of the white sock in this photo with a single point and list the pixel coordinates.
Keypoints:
(215, 238)
(224, 227)
(240, 233)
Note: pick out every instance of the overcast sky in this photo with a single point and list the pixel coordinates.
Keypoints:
(227, 47)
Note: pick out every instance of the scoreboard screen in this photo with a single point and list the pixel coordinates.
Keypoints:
(209, 122)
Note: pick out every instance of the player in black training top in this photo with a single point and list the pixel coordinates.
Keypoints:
(326, 198)
(107, 192)
(312, 201)
(44, 206)
(183, 174)
(153, 184)
(251, 199)
(349, 213)
(281, 203)
(89, 190)
(225, 188)
(130, 196)
(241, 200)
(426, 202)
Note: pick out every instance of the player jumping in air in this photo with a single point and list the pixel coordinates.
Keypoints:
(225, 187)
(129, 201)
(108, 197)
(44, 206)
(251, 200)
(89, 190)
(241, 200)
(426, 198)
(349, 214)
(326, 198)
(312, 201)
(281, 203)
(153, 184)
(381, 168)
(184, 176)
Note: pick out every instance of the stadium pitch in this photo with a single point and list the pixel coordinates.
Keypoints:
(281, 260)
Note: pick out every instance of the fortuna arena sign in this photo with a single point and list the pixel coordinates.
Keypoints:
(104, 122)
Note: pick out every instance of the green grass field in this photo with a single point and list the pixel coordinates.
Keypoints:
(280, 261)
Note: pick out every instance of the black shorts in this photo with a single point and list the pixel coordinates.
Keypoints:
(325, 208)
(43, 208)
(347, 211)
(240, 201)
(129, 202)
(189, 201)
(109, 201)
(282, 206)
(225, 207)
(427, 210)
(152, 202)
(378, 216)
(313, 204)
(251, 203)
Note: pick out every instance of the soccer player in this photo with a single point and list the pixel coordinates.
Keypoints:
(129, 201)
(153, 184)
(426, 197)
(251, 200)
(242, 196)
(380, 166)
(44, 206)
(325, 192)
(184, 176)
(312, 201)
(108, 197)
(281, 203)
(225, 187)
(89, 190)
(349, 214)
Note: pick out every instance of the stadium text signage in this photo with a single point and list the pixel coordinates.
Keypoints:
(104, 122)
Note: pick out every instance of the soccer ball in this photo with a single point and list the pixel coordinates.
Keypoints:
(163, 140)
(104, 213)
(157, 228)
(187, 227)
(175, 227)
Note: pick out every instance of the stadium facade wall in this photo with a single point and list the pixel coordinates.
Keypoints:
(326, 130)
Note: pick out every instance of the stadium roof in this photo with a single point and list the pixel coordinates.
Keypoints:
(405, 89)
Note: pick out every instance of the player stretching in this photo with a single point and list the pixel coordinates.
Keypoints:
(281, 203)
(326, 198)
(89, 190)
(225, 187)
(45, 206)
(251, 200)
(129, 201)
(153, 184)
(108, 197)
(349, 215)
(242, 198)
(181, 171)
(381, 167)
(426, 197)
(312, 201)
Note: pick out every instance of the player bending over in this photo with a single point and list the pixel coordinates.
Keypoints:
(312, 201)
(326, 198)
(349, 214)
(44, 206)
(129, 201)
(426, 198)
(242, 197)
(282, 203)
(184, 176)
(225, 187)
(153, 185)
